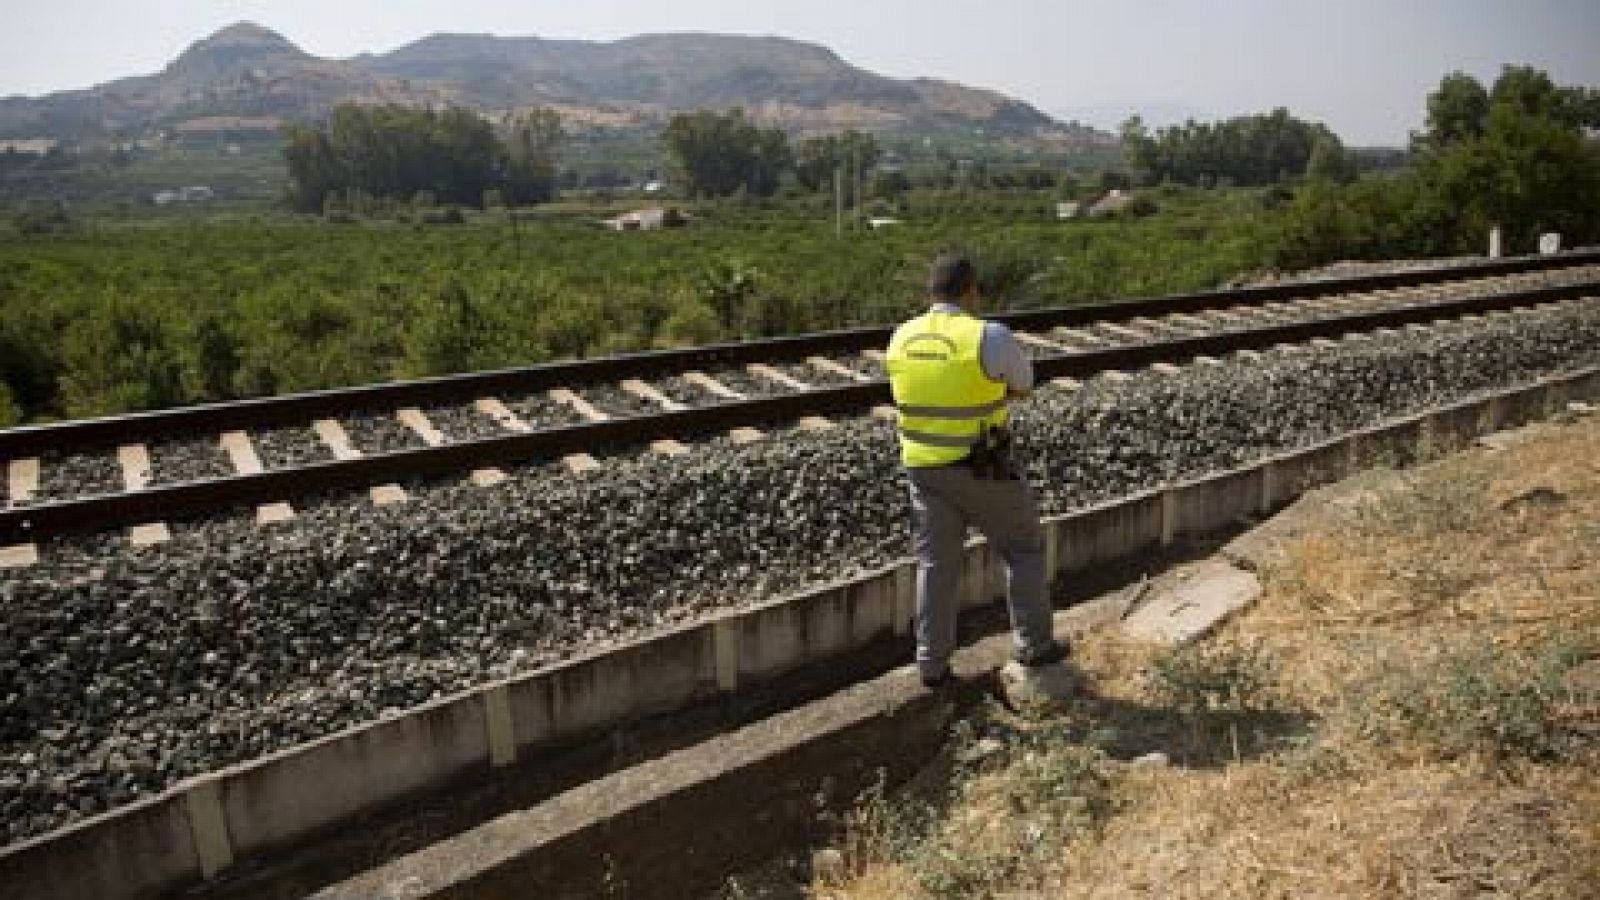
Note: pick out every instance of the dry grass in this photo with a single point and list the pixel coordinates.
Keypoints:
(1412, 710)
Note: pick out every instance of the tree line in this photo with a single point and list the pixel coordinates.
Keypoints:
(1515, 156)
(722, 154)
(1245, 150)
(396, 153)
(456, 157)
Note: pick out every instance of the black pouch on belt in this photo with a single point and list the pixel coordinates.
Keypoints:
(992, 459)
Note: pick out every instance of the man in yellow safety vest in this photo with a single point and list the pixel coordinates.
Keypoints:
(952, 374)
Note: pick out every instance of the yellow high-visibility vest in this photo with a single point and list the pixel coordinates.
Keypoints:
(944, 397)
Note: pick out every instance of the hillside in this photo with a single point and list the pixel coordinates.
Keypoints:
(242, 70)
(248, 71)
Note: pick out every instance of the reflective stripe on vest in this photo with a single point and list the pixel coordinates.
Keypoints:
(944, 398)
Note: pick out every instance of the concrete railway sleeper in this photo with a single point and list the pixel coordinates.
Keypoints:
(484, 622)
(382, 449)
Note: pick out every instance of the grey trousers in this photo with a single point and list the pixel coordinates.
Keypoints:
(944, 501)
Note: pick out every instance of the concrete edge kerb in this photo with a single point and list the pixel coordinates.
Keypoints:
(211, 838)
(208, 824)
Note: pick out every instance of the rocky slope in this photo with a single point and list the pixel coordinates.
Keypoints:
(245, 70)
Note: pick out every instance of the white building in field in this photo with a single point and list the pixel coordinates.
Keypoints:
(28, 146)
(647, 220)
(198, 193)
(1113, 202)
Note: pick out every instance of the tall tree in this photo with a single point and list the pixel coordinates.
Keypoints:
(314, 170)
(771, 157)
(1330, 162)
(1139, 150)
(533, 141)
(1529, 173)
(720, 154)
(1458, 111)
(1530, 92)
(394, 152)
(1259, 149)
(1524, 164)
(819, 157)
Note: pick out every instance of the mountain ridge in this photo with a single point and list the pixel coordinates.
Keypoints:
(246, 69)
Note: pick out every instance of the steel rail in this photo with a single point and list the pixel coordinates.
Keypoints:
(216, 418)
(36, 523)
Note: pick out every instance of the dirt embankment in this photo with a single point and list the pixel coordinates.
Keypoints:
(1411, 710)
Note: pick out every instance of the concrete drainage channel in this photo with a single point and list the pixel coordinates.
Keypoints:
(754, 786)
(752, 794)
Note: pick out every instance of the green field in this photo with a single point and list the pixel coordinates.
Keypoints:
(120, 315)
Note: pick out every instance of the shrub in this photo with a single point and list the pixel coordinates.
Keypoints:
(1044, 792)
(43, 219)
(1428, 507)
(1038, 793)
(727, 287)
(1140, 207)
(1470, 700)
(1205, 677)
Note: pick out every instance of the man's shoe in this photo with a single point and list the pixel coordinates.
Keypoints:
(1056, 653)
(940, 681)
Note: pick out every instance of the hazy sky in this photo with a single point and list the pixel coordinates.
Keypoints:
(1362, 66)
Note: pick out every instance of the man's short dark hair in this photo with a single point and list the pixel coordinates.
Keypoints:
(951, 276)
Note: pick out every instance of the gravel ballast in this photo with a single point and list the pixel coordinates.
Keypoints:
(540, 411)
(380, 432)
(122, 673)
(685, 392)
(747, 385)
(64, 477)
(176, 462)
(290, 446)
(461, 422)
(616, 402)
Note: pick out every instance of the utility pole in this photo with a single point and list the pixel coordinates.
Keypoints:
(838, 201)
(858, 188)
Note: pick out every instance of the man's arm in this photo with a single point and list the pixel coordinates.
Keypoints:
(1004, 360)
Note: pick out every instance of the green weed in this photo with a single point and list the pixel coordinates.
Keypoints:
(1200, 678)
(1471, 700)
(1428, 507)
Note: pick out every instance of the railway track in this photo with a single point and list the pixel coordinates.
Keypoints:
(142, 470)
(132, 671)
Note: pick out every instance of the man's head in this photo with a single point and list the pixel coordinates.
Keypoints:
(952, 279)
